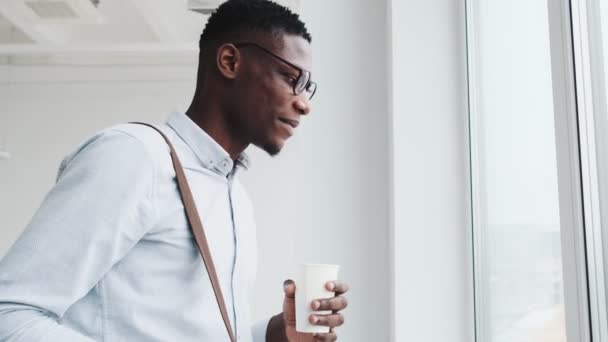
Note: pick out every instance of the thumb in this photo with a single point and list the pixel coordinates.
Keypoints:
(289, 303)
(289, 287)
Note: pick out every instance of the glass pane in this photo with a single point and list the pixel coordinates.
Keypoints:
(519, 224)
(604, 33)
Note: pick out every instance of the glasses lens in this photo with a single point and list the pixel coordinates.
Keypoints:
(311, 89)
(302, 82)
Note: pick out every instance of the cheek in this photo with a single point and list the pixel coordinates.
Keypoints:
(267, 99)
(272, 100)
(276, 89)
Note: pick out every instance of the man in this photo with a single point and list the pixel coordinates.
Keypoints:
(109, 255)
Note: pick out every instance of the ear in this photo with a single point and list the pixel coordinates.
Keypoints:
(228, 60)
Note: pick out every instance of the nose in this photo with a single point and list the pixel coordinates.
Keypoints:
(302, 104)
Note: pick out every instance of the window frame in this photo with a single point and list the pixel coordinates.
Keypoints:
(589, 84)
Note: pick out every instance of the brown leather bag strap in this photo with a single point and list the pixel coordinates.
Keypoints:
(197, 229)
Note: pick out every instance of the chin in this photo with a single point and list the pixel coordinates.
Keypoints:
(272, 148)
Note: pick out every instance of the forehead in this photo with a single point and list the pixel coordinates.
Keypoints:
(295, 49)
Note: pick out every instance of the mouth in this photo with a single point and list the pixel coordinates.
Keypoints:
(292, 123)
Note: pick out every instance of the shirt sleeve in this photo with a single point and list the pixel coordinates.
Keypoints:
(259, 330)
(100, 206)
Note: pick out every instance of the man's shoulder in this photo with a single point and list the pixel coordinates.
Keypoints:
(134, 141)
(148, 137)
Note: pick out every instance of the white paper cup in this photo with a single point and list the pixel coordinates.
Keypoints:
(310, 285)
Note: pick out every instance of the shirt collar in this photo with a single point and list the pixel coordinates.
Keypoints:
(211, 155)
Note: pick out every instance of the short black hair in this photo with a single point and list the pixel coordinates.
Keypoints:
(236, 16)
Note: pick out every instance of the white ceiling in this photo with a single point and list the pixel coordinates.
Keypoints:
(111, 22)
(113, 31)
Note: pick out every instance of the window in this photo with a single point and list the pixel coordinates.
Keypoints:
(538, 131)
(519, 268)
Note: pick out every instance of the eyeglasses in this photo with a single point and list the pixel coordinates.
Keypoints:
(303, 82)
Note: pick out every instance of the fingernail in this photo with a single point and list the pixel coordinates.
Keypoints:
(315, 305)
(331, 286)
(315, 319)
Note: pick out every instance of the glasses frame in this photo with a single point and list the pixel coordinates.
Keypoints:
(309, 86)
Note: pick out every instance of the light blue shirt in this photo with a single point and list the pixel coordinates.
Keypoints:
(109, 255)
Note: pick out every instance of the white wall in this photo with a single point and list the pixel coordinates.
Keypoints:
(331, 179)
(433, 291)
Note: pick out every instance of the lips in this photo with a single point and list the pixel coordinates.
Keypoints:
(290, 122)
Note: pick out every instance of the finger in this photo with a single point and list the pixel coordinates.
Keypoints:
(326, 337)
(289, 287)
(289, 311)
(335, 304)
(333, 320)
(339, 287)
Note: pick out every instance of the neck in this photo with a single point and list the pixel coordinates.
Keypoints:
(211, 118)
